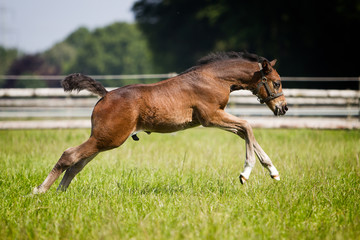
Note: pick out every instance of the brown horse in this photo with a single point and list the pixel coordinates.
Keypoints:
(196, 97)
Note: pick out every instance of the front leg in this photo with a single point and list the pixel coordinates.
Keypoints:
(249, 160)
(242, 128)
(266, 161)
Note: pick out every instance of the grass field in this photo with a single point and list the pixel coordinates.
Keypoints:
(184, 186)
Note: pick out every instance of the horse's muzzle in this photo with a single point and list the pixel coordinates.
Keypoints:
(280, 110)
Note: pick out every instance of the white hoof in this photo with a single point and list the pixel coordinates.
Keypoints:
(242, 179)
(37, 191)
(276, 177)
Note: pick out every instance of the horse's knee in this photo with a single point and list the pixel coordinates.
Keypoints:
(245, 131)
(246, 126)
(67, 159)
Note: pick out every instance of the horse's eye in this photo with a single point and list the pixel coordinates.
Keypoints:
(276, 84)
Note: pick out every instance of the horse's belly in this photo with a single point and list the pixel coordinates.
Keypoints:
(162, 120)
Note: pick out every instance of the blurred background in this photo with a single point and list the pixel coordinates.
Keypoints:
(126, 41)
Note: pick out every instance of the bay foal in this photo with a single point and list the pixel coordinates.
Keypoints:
(196, 97)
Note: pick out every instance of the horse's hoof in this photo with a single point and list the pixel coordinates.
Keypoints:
(242, 179)
(36, 191)
(276, 177)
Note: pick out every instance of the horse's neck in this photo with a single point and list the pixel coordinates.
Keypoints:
(236, 79)
(222, 76)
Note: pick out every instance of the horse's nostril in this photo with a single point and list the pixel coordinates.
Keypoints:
(276, 111)
(286, 108)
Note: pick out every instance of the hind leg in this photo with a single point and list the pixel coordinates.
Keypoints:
(72, 171)
(70, 157)
(74, 159)
(112, 123)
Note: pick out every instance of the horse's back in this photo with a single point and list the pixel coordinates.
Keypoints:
(146, 107)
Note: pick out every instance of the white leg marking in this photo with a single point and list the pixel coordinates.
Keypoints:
(266, 162)
(274, 173)
(246, 172)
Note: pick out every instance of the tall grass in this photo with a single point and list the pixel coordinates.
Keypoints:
(184, 186)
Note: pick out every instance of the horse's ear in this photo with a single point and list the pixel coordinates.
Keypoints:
(273, 62)
(266, 65)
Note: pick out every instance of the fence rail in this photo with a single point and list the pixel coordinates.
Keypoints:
(98, 77)
(307, 107)
(54, 102)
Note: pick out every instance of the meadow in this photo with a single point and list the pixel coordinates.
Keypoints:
(184, 186)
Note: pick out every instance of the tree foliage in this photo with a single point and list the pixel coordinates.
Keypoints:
(33, 64)
(7, 56)
(309, 38)
(119, 48)
(63, 55)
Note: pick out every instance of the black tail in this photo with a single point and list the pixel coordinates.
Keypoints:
(77, 81)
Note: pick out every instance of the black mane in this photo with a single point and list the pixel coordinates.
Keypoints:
(221, 56)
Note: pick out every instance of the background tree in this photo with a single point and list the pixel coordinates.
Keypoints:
(30, 64)
(310, 38)
(63, 55)
(7, 56)
(119, 48)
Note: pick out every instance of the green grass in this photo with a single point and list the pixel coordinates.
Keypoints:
(184, 186)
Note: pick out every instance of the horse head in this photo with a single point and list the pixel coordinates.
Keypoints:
(268, 88)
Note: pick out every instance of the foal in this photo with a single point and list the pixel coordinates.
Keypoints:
(196, 97)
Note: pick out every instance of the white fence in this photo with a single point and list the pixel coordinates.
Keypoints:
(53, 102)
(307, 108)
